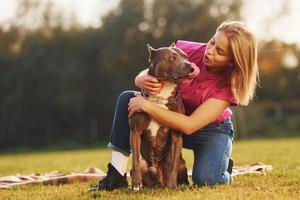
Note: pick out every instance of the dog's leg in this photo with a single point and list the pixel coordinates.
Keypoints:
(135, 141)
(137, 123)
(173, 159)
(182, 176)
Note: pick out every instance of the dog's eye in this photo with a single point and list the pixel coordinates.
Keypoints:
(172, 58)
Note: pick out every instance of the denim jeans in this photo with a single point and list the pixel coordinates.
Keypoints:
(211, 145)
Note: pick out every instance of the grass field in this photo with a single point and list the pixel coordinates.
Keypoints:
(282, 183)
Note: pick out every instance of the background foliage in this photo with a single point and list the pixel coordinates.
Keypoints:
(60, 84)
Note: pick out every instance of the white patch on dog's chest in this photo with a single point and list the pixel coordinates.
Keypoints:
(153, 127)
(166, 92)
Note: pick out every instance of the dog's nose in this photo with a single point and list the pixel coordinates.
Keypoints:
(191, 67)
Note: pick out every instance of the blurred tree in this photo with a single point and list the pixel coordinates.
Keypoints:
(189, 19)
(279, 66)
(59, 83)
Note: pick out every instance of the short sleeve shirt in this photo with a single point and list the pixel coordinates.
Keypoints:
(206, 85)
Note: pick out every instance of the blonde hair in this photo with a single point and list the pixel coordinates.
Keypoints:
(244, 76)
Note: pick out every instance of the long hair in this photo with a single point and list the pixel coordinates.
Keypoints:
(243, 46)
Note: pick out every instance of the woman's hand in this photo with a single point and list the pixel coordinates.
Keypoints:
(136, 104)
(148, 83)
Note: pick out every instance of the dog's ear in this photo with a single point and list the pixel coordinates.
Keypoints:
(151, 51)
(173, 45)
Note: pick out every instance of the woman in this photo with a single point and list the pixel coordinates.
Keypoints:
(228, 76)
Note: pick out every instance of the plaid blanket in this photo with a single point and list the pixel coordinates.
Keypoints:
(93, 173)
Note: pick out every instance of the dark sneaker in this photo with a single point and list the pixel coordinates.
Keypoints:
(230, 166)
(111, 181)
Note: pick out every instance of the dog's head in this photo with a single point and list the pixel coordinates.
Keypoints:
(168, 63)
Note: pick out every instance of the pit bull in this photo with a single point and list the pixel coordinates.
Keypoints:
(156, 149)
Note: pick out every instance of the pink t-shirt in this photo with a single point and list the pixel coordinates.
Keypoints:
(206, 85)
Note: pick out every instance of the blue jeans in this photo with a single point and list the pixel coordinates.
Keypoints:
(211, 145)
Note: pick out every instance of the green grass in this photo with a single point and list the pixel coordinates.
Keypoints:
(282, 183)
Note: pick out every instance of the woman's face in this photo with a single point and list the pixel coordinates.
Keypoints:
(217, 53)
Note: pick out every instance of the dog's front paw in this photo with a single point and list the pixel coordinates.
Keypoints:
(136, 186)
(136, 178)
(171, 182)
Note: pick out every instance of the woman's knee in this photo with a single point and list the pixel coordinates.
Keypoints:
(204, 179)
(126, 95)
(209, 179)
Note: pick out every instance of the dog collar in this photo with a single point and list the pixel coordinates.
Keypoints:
(160, 100)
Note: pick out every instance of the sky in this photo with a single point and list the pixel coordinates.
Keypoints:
(268, 19)
(87, 12)
(274, 18)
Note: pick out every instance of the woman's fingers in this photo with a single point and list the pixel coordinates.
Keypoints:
(153, 85)
(151, 79)
(152, 90)
(134, 104)
(130, 113)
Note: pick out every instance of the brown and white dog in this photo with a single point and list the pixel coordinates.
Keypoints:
(156, 149)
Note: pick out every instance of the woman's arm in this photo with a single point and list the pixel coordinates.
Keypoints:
(138, 79)
(203, 115)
